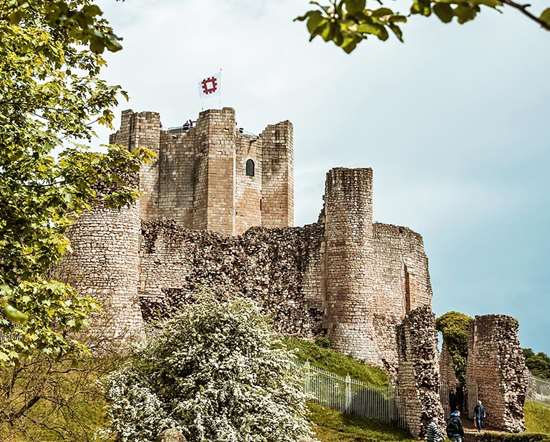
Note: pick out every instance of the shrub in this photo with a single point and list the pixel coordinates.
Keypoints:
(215, 371)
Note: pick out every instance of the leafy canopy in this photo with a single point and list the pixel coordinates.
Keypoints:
(50, 94)
(214, 371)
(348, 22)
(537, 363)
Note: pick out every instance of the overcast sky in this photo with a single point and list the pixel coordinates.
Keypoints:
(455, 124)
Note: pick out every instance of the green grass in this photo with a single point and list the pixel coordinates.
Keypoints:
(537, 417)
(333, 426)
(335, 362)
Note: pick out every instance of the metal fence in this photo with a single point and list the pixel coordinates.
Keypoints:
(354, 397)
(539, 390)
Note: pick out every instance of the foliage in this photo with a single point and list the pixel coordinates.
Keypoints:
(538, 364)
(537, 417)
(348, 22)
(455, 328)
(214, 371)
(335, 362)
(50, 93)
(48, 398)
(333, 426)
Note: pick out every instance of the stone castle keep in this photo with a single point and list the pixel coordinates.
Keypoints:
(216, 210)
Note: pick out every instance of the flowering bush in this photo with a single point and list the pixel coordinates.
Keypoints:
(216, 372)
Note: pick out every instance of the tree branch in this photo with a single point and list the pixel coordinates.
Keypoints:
(24, 409)
(523, 9)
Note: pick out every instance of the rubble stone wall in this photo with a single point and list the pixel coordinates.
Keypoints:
(496, 373)
(418, 373)
(272, 266)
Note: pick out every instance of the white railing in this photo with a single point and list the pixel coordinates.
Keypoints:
(353, 397)
(539, 390)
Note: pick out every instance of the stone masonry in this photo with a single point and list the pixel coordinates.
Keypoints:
(200, 177)
(496, 372)
(418, 374)
(216, 212)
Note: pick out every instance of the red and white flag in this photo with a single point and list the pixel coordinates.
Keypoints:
(210, 85)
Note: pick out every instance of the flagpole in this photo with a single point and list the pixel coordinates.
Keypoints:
(221, 88)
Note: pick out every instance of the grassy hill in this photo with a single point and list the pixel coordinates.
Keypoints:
(537, 417)
(333, 426)
(322, 357)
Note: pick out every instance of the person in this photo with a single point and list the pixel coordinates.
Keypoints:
(455, 431)
(479, 415)
(433, 432)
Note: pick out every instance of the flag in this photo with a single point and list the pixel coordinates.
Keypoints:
(210, 85)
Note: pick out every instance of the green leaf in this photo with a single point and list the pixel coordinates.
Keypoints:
(314, 21)
(464, 13)
(545, 16)
(381, 12)
(444, 12)
(15, 315)
(355, 6)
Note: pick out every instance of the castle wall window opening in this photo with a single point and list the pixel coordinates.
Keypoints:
(249, 168)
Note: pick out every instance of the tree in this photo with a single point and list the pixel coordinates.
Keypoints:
(61, 398)
(50, 94)
(348, 22)
(455, 327)
(214, 371)
(537, 363)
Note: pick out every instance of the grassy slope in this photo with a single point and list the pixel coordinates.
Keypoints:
(537, 417)
(332, 426)
(335, 362)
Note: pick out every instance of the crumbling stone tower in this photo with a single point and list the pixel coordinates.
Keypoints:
(211, 175)
(496, 373)
(374, 274)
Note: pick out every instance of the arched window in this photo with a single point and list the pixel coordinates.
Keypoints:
(249, 168)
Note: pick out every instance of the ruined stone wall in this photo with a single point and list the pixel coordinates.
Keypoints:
(104, 263)
(401, 283)
(278, 175)
(374, 274)
(271, 266)
(496, 373)
(418, 373)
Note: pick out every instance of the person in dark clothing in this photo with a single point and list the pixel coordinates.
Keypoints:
(433, 432)
(479, 415)
(455, 431)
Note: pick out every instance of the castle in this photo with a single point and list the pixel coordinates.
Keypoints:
(216, 210)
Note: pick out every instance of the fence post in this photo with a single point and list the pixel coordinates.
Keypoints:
(306, 377)
(348, 394)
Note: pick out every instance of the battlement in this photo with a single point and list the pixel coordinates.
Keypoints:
(210, 175)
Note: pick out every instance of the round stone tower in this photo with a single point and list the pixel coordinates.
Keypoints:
(104, 263)
(349, 262)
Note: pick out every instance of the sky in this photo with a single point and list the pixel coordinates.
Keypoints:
(455, 123)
